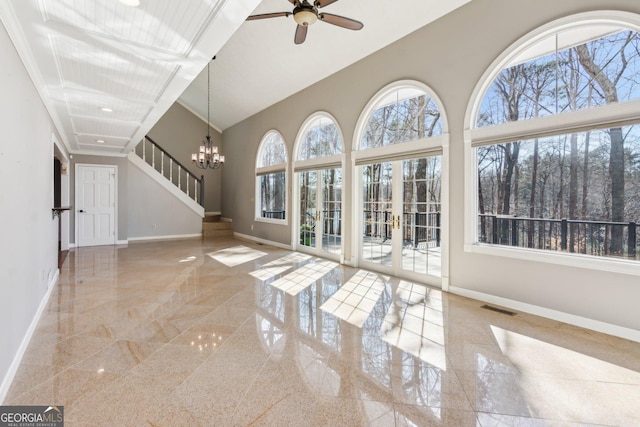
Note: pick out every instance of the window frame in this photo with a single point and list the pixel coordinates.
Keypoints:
(599, 117)
(261, 171)
(437, 144)
(315, 164)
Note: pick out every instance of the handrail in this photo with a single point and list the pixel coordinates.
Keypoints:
(198, 183)
(174, 159)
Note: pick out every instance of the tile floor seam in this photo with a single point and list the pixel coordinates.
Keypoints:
(494, 382)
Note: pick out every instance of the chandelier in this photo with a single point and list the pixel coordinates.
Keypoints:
(208, 156)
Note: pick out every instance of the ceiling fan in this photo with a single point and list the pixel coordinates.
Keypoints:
(305, 14)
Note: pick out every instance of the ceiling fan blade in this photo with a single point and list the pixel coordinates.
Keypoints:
(301, 34)
(323, 3)
(341, 21)
(267, 15)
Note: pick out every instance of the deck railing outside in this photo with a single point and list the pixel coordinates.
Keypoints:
(574, 236)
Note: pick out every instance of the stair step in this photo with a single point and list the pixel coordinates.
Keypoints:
(216, 229)
(217, 226)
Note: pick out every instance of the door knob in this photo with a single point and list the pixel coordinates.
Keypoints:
(81, 211)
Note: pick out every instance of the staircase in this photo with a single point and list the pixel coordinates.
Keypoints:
(171, 169)
(213, 227)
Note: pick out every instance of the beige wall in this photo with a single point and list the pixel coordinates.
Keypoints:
(29, 253)
(154, 212)
(180, 133)
(449, 55)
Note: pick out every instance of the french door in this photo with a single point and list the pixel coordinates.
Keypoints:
(320, 212)
(400, 217)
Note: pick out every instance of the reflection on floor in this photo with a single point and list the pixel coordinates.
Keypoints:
(355, 300)
(162, 334)
(236, 255)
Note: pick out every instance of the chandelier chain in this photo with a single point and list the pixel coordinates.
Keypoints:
(208, 156)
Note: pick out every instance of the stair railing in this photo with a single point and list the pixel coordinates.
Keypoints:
(170, 168)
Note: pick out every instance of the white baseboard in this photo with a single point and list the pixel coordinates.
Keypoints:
(212, 213)
(173, 237)
(223, 219)
(13, 369)
(122, 242)
(583, 322)
(263, 241)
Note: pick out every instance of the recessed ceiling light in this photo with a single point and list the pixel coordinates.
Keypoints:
(100, 141)
(132, 3)
(107, 109)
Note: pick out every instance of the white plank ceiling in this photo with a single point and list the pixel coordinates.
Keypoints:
(88, 55)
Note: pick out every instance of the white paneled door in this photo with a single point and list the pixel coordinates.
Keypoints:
(95, 205)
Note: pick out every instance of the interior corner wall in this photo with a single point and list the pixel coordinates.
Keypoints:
(180, 133)
(29, 253)
(449, 55)
(121, 192)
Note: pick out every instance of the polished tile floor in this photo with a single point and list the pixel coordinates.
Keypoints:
(168, 334)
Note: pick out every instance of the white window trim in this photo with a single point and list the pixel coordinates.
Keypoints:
(266, 170)
(604, 116)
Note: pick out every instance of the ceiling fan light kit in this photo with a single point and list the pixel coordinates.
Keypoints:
(306, 14)
(305, 17)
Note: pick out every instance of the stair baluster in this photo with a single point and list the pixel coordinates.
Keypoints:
(198, 183)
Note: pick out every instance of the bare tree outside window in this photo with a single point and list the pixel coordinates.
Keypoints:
(578, 191)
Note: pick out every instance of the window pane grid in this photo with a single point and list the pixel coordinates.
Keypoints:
(377, 213)
(332, 210)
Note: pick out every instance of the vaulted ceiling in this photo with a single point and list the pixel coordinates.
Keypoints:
(107, 72)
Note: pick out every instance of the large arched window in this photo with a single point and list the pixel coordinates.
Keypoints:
(271, 172)
(401, 149)
(318, 178)
(553, 139)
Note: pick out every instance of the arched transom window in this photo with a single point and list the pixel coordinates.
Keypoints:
(571, 69)
(402, 114)
(321, 138)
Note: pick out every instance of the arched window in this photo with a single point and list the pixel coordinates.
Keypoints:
(401, 157)
(554, 128)
(271, 171)
(321, 138)
(403, 113)
(318, 186)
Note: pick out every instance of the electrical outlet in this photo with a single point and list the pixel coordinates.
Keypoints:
(252, 227)
(154, 226)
